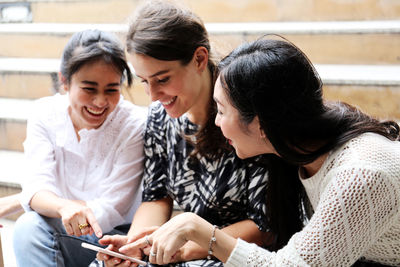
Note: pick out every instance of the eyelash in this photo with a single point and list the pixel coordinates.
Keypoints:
(93, 90)
(158, 81)
(166, 79)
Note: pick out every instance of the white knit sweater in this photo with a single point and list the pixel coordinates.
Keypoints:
(356, 198)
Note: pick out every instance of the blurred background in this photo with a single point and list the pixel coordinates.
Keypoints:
(354, 44)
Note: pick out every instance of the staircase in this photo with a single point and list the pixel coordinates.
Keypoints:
(355, 46)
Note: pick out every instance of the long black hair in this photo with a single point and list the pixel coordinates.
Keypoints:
(275, 81)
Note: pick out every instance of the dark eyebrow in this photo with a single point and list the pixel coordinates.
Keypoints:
(96, 84)
(89, 82)
(155, 74)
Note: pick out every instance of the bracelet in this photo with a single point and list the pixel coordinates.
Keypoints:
(212, 240)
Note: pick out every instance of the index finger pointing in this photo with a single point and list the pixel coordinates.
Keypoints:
(93, 223)
(138, 244)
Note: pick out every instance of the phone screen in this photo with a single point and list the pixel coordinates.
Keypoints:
(113, 253)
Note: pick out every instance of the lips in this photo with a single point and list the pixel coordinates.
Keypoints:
(95, 112)
(169, 102)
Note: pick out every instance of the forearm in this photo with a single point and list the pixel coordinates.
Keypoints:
(9, 205)
(154, 213)
(201, 232)
(49, 204)
(248, 231)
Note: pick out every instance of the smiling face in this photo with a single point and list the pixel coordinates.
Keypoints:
(94, 92)
(179, 88)
(247, 140)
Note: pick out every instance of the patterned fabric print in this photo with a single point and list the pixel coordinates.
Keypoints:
(197, 263)
(223, 191)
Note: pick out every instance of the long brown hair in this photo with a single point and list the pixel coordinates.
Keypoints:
(166, 31)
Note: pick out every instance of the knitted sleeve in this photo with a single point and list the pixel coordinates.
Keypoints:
(359, 204)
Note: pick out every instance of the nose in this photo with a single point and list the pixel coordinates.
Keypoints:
(100, 100)
(217, 120)
(153, 93)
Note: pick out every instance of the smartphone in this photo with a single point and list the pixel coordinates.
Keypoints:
(112, 253)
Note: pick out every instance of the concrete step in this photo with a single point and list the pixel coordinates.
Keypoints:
(375, 89)
(334, 42)
(11, 174)
(7, 242)
(73, 11)
(13, 115)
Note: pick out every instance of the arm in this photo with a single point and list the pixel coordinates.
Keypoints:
(254, 228)
(39, 154)
(154, 213)
(71, 212)
(9, 205)
(148, 215)
(364, 215)
(355, 209)
(176, 233)
(246, 230)
(125, 177)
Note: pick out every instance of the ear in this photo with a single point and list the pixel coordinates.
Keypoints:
(262, 133)
(64, 82)
(200, 58)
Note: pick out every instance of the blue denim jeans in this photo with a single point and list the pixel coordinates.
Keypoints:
(42, 241)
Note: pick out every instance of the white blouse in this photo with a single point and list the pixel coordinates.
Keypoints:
(104, 168)
(356, 199)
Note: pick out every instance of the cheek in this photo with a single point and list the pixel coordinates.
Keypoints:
(177, 88)
(78, 98)
(113, 101)
(226, 128)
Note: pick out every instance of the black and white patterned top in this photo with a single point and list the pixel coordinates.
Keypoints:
(223, 192)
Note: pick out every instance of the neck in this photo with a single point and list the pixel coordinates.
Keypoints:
(312, 168)
(198, 113)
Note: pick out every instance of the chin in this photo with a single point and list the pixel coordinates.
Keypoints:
(245, 155)
(174, 115)
(241, 155)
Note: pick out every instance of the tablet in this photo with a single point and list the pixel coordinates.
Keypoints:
(113, 253)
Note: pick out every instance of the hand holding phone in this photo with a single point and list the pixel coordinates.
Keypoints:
(113, 253)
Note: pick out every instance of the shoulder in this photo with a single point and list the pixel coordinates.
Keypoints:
(367, 159)
(131, 112)
(53, 101)
(50, 107)
(128, 115)
(369, 148)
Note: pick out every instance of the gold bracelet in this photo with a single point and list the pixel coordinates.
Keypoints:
(212, 240)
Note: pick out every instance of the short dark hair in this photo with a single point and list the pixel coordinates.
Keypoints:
(92, 45)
